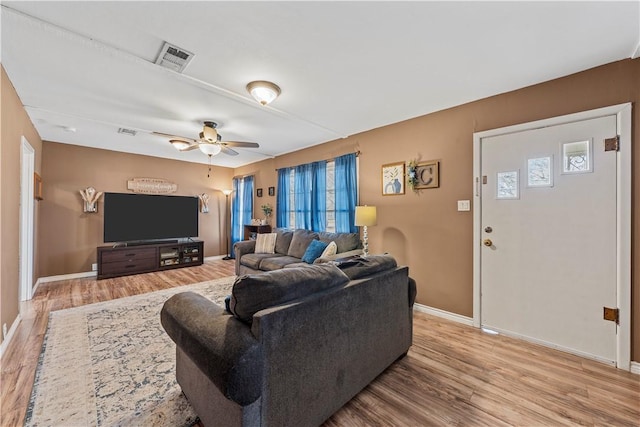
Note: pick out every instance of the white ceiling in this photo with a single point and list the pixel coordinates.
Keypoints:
(344, 67)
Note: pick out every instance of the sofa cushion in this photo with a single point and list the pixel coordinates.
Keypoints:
(255, 292)
(314, 250)
(344, 241)
(265, 243)
(254, 260)
(300, 242)
(330, 250)
(357, 267)
(283, 240)
(277, 262)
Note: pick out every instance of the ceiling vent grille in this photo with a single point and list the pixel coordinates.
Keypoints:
(173, 57)
(129, 132)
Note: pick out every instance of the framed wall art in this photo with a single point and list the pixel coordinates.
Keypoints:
(259, 192)
(393, 179)
(427, 175)
(272, 191)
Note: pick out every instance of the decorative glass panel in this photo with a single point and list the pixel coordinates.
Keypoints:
(576, 157)
(539, 172)
(508, 185)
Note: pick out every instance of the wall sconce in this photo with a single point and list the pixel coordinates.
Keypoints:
(90, 197)
(204, 202)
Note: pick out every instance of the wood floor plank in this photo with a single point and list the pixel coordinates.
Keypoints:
(453, 375)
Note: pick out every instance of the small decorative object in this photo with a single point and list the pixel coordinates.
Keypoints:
(393, 179)
(151, 186)
(412, 174)
(37, 187)
(259, 192)
(427, 175)
(204, 202)
(365, 216)
(90, 197)
(272, 191)
(267, 210)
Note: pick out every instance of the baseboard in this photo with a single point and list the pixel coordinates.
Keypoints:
(7, 339)
(63, 277)
(635, 368)
(213, 258)
(444, 314)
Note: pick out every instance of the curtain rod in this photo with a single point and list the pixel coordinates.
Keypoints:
(326, 160)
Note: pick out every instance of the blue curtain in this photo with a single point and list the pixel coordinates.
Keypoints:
(302, 199)
(319, 196)
(346, 193)
(282, 199)
(241, 208)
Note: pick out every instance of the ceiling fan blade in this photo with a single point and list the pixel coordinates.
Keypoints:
(227, 150)
(191, 147)
(170, 135)
(241, 144)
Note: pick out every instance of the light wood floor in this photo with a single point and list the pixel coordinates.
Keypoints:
(453, 374)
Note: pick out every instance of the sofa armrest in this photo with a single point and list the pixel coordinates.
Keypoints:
(338, 256)
(242, 248)
(222, 347)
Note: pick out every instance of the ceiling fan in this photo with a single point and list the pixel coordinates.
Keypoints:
(210, 142)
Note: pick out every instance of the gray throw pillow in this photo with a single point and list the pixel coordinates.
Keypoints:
(300, 242)
(255, 292)
(283, 240)
(344, 241)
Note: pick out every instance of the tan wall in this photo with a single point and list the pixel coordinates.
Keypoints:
(425, 230)
(15, 124)
(68, 237)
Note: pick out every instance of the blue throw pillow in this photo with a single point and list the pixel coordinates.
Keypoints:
(314, 250)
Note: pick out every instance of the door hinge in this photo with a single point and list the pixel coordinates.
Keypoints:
(612, 144)
(612, 314)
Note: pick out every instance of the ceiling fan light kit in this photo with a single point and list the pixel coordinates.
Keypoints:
(210, 149)
(263, 91)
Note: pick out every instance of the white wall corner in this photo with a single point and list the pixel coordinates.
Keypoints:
(443, 314)
(7, 339)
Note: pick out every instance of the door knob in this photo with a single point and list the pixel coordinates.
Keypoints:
(487, 242)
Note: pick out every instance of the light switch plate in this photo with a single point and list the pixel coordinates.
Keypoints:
(464, 205)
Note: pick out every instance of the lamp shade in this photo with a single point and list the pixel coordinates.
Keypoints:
(210, 149)
(227, 192)
(366, 215)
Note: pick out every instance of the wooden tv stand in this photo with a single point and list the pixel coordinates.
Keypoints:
(144, 258)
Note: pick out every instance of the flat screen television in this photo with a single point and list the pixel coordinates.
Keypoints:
(140, 217)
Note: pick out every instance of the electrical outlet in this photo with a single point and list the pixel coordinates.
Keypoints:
(464, 205)
(94, 267)
(4, 331)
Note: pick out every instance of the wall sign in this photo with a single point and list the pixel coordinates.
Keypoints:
(151, 186)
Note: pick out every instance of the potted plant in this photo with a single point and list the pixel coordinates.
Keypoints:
(267, 210)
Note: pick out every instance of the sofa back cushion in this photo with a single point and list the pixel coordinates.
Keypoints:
(283, 240)
(300, 242)
(344, 241)
(255, 292)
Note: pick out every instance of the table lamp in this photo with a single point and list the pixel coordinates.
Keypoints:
(365, 216)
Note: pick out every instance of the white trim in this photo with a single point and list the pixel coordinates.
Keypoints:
(635, 368)
(443, 314)
(550, 345)
(213, 258)
(27, 208)
(7, 339)
(48, 279)
(623, 114)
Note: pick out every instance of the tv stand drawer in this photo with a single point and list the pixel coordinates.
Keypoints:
(125, 254)
(129, 266)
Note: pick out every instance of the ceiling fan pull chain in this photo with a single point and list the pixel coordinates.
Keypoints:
(209, 172)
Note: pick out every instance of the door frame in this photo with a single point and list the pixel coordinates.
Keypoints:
(623, 231)
(27, 207)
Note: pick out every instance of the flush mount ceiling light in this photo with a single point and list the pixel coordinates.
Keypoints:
(264, 92)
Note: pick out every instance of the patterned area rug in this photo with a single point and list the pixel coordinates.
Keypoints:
(112, 364)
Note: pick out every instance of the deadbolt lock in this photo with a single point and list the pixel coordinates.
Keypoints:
(487, 242)
(488, 229)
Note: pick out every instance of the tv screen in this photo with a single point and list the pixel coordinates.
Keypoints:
(134, 217)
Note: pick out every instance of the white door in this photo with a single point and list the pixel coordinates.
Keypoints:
(548, 261)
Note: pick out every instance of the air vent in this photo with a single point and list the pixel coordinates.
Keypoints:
(129, 132)
(174, 57)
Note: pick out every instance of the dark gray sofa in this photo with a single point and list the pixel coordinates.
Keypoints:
(289, 249)
(297, 362)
